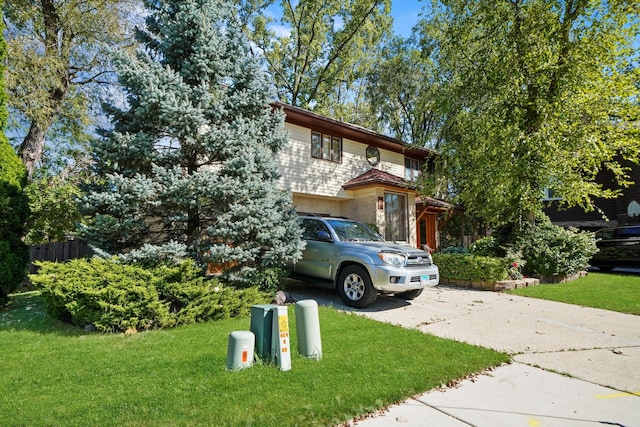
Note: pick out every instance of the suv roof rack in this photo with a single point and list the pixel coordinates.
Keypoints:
(322, 215)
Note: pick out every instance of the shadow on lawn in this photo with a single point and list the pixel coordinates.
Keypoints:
(27, 312)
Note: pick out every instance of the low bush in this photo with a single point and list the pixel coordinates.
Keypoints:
(539, 250)
(489, 247)
(552, 250)
(470, 267)
(116, 297)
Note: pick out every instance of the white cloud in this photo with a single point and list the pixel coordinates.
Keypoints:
(281, 30)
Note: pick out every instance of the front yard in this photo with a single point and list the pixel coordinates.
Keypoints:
(53, 374)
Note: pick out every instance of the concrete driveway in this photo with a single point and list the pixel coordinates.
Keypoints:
(573, 366)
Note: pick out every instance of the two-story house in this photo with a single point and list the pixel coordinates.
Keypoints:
(339, 169)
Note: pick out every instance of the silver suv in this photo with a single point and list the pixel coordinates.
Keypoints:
(352, 257)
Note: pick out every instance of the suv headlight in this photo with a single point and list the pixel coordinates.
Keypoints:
(393, 259)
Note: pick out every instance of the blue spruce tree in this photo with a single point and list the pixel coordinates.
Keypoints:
(189, 166)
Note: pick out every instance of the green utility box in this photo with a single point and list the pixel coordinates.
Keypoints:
(261, 324)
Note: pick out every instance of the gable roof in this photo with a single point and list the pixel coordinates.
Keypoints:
(374, 177)
(301, 117)
(433, 203)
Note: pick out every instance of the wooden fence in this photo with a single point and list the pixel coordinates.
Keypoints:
(58, 252)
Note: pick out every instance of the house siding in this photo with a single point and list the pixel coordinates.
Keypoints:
(322, 177)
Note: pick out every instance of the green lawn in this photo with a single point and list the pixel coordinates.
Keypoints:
(53, 374)
(616, 292)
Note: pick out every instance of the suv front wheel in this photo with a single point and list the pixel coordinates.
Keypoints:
(355, 287)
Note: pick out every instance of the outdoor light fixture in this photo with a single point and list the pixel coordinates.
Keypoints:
(380, 203)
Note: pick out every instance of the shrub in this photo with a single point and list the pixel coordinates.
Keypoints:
(54, 213)
(551, 250)
(14, 208)
(455, 250)
(470, 267)
(266, 279)
(486, 246)
(515, 264)
(115, 297)
(270, 279)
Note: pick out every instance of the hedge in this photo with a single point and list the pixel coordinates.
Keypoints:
(470, 267)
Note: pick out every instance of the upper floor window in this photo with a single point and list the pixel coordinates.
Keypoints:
(326, 147)
(549, 195)
(412, 169)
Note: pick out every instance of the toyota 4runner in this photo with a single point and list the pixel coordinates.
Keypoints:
(352, 257)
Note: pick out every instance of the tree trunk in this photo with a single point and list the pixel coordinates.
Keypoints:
(57, 49)
(32, 147)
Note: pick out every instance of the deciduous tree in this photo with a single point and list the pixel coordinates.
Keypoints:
(319, 61)
(401, 92)
(541, 94)
(58, 58)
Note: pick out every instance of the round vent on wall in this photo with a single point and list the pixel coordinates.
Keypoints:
(373, 155)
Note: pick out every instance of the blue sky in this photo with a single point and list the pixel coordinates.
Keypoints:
(405, 15)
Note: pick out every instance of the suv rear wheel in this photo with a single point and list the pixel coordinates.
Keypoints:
(355, 287)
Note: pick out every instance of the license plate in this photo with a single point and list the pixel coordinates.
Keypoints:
(424, 280)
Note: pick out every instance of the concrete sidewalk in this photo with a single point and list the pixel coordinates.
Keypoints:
(573, 366)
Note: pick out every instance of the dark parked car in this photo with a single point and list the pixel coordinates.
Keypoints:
(617, 247)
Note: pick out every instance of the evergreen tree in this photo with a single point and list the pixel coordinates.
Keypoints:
(189, 166)
(14, 208)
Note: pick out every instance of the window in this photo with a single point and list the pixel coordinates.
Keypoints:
(395, 212)
(549, 195)
(311, 229)
(326, 147)
(412, 169)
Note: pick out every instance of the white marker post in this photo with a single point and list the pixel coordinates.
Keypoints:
(280, 342)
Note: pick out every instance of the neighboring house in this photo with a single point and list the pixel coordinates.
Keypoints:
(339, 169)
(620, 211)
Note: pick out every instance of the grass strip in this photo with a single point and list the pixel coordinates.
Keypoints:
(53, 374)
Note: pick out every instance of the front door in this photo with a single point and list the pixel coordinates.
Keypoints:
(427, 231)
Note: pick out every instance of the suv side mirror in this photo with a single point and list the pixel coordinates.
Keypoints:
(323, 236)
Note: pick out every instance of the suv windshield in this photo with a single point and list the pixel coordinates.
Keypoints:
(353, 231)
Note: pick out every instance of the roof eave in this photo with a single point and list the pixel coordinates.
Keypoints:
(301, 117)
